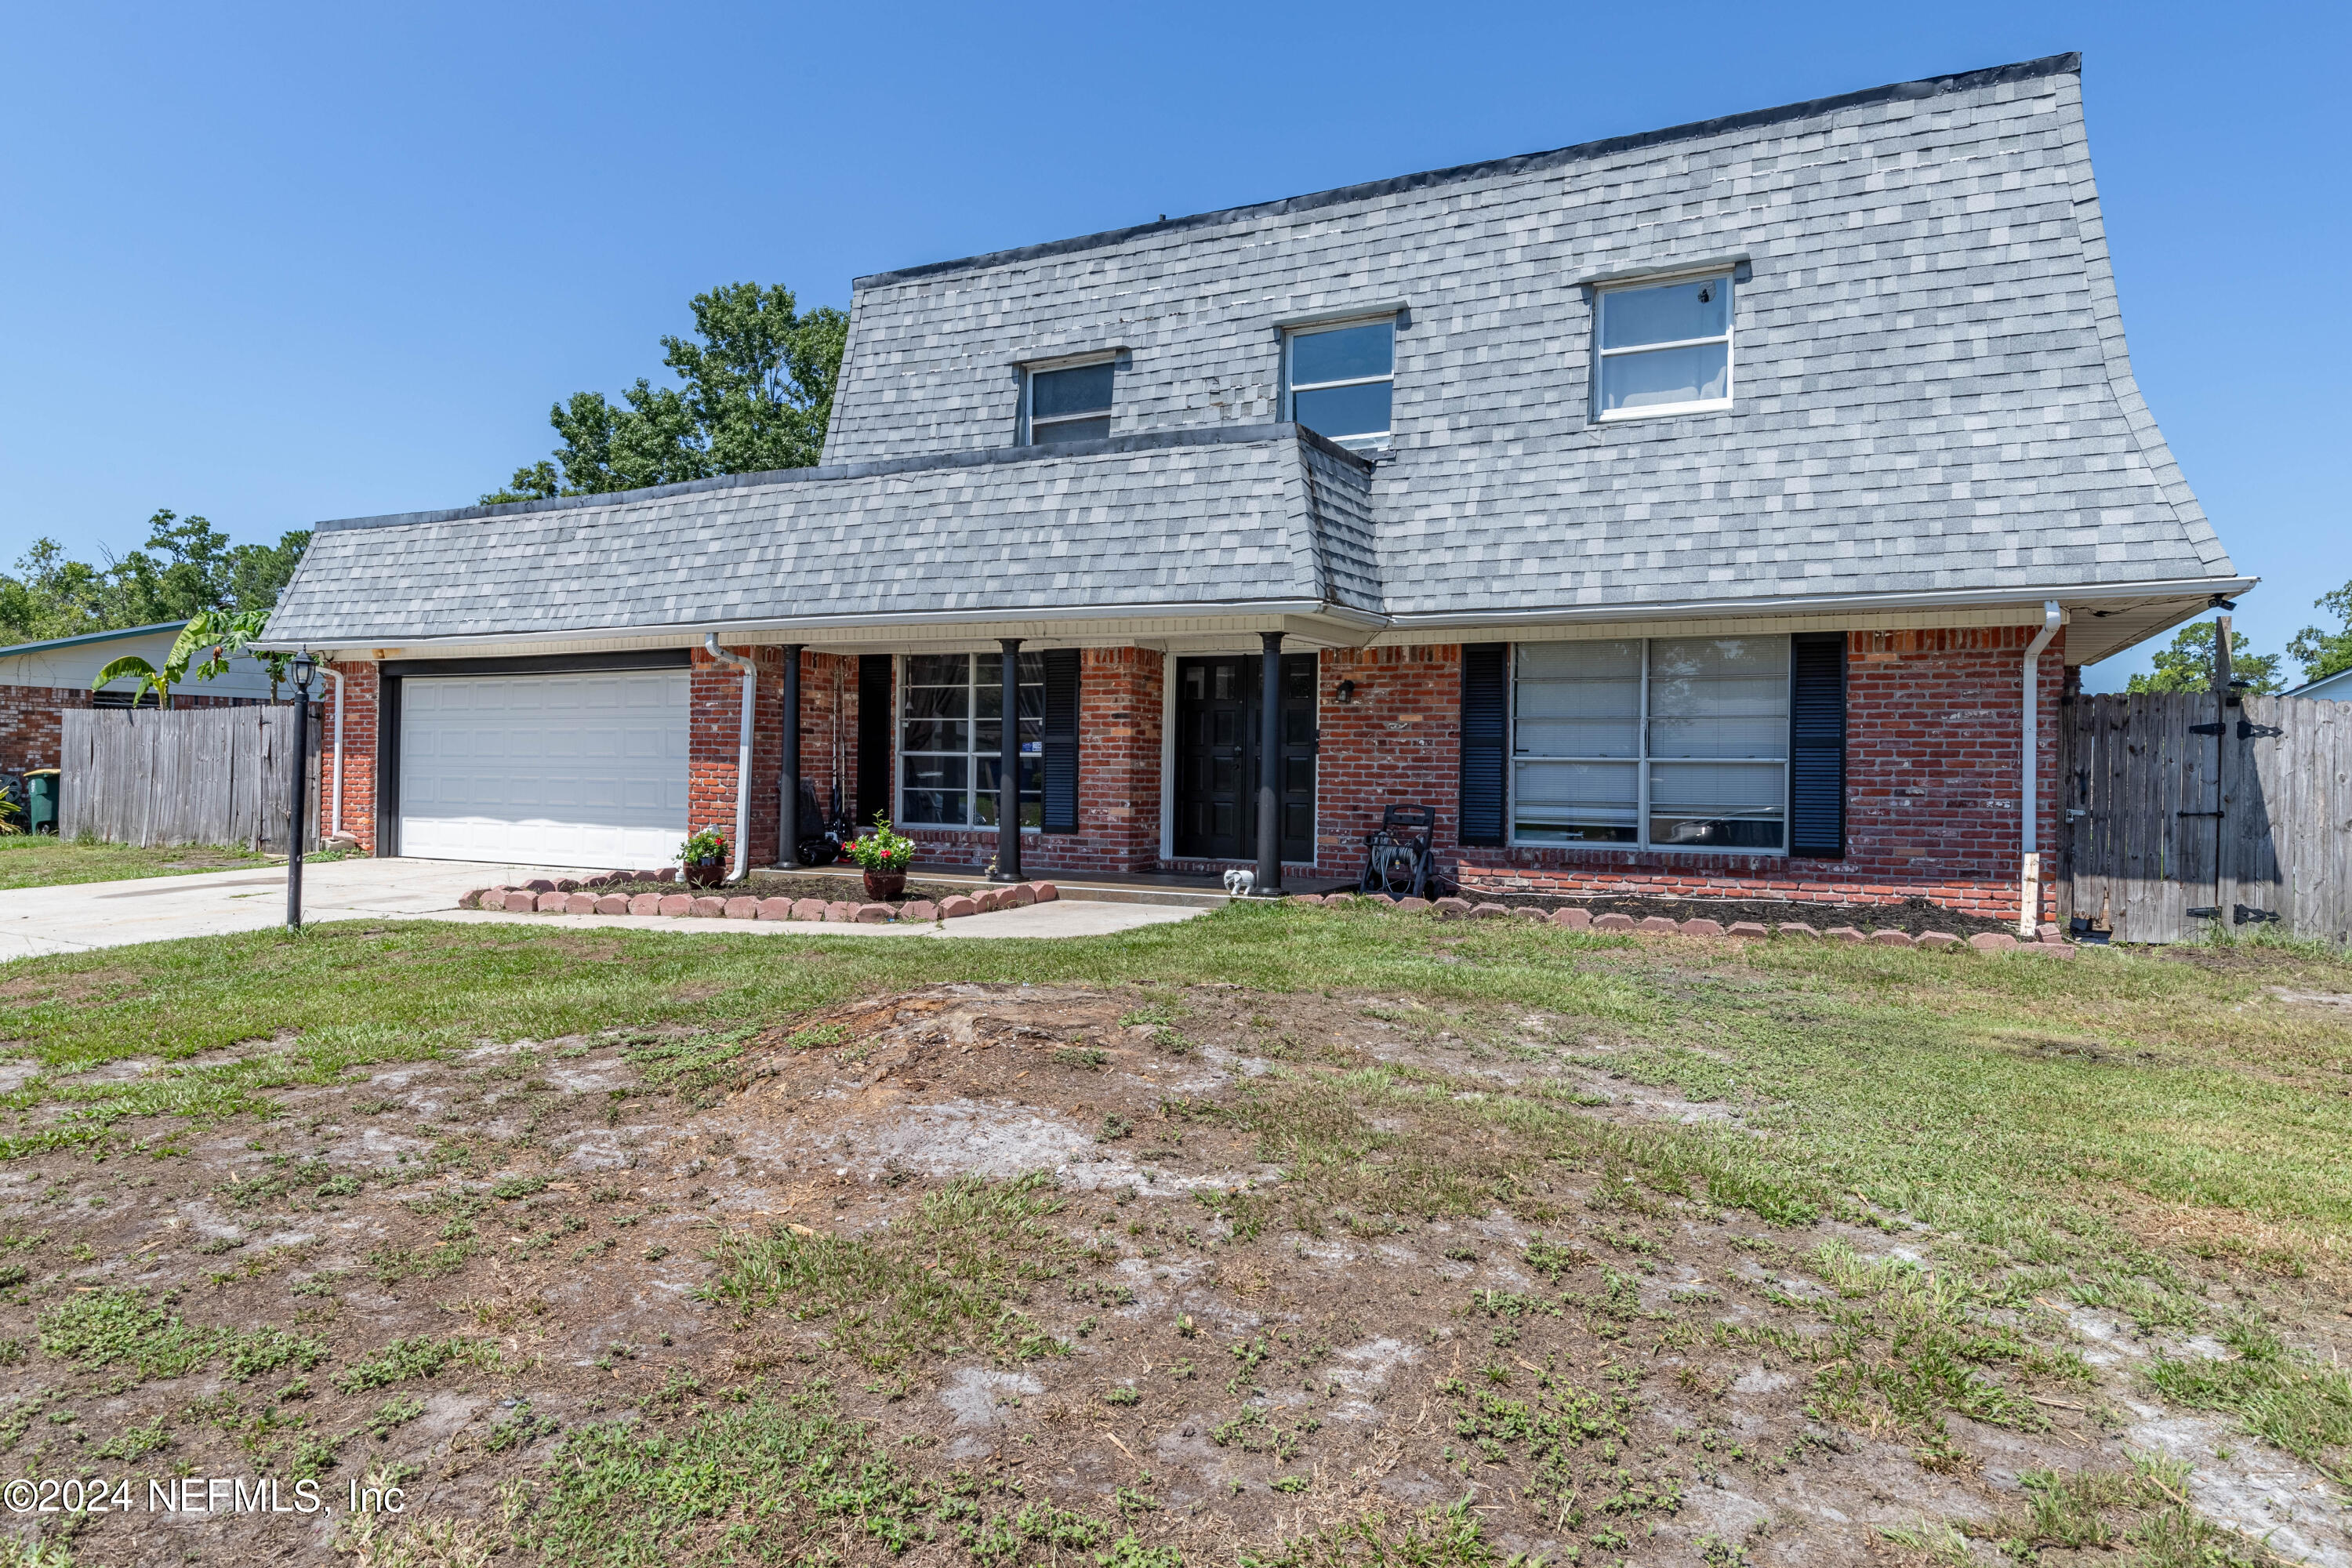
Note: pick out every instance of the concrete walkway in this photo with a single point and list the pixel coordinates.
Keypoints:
(88, 915)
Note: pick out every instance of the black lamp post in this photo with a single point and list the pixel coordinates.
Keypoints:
(304, 666)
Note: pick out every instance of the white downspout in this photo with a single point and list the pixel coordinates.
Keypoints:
(744, 753)
(2029, 908)
(335, 807)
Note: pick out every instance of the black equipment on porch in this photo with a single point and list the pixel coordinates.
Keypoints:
(822, 836)
(1400, 858)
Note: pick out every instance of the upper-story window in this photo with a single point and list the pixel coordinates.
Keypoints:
(1070, 405)
(1339, 380)
(1664, 348)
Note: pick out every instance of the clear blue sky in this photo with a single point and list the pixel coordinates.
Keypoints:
(278, 264)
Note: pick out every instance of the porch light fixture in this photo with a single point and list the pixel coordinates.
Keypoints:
(305, 666)
(1346, 692)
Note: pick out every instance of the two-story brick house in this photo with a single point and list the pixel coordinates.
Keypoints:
(1714, 509)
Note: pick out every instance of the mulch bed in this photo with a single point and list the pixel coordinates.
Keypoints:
(1917, 916)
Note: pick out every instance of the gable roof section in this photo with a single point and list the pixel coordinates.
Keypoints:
(1519, 164)
(1933, 401)
(1267, 516)
(1933, 392)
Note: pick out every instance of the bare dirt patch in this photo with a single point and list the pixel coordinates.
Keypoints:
(84, 986)
(1058, 1274)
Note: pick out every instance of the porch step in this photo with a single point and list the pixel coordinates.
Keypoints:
(1172, 893)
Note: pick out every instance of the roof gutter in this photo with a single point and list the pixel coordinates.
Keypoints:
(2029, 908)
(1798, 604)
(980, 620)
(743, 750)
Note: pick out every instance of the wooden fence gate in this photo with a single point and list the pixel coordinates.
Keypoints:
(2183, 812)
(185, 775)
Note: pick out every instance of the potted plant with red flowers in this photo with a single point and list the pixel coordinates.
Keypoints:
(884, 856)
(703, 856)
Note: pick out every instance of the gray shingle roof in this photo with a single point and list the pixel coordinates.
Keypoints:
(1932, 394)
(1263, 515)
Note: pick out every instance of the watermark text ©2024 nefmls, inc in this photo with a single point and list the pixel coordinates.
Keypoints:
(194, 1495)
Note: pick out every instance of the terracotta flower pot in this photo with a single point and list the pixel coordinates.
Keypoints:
(706, 873)
(885, 885)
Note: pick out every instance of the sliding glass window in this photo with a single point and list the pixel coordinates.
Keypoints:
(952, 734)
(1660, 743)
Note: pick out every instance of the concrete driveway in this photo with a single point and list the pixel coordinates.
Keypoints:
(86, 915)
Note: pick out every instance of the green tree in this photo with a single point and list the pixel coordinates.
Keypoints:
(2321, 653)
(2186, 665)
(186, 568)
(51, 596)
(758, 383)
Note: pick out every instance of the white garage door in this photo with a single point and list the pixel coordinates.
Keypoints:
(561, 769)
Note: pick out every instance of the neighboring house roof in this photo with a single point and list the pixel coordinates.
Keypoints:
(75, 663)
(2336, 688)
(1933, 405)
(78, 640)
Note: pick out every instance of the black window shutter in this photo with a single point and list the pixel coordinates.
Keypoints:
(1486, 697)
(1061, 739)
(1817, 745)
(873, 736)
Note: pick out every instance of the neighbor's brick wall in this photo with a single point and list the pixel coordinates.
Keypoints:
(31, 724)
(1121, 694)
(1932, 773)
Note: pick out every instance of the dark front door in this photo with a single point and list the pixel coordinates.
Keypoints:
(1217, 708)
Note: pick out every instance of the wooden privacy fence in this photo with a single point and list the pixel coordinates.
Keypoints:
(2183, 814)
(187, 775)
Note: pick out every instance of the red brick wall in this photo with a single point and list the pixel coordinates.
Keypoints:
(829, 721)
(1119, 707)
(1932, 774)
(1397, 742)
(714, 737)
(31, 728)
(363, 691)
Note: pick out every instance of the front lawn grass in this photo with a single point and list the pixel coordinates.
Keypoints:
(41, 860)
(1586, 1129)
(2094, 1115)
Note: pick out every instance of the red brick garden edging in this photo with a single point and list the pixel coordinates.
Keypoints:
(541, 896)
(1660, 925)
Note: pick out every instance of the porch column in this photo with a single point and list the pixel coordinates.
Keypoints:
(1008, 770)
(1269, 772)
(788, 817)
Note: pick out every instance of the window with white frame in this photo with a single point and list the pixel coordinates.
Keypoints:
(1072, 404)
(951, 736)
(1664, 348)
(1339, 380)
(1660, 743)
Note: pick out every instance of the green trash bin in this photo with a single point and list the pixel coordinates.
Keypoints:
(41, 800)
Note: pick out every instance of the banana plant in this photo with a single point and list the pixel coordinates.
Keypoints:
(224, 634)
(233, 634)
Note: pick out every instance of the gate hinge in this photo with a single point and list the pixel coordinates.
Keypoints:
(2213, 729)
(2250, 730)
(2241, 915)
(2196, 814)
(2204, 911)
